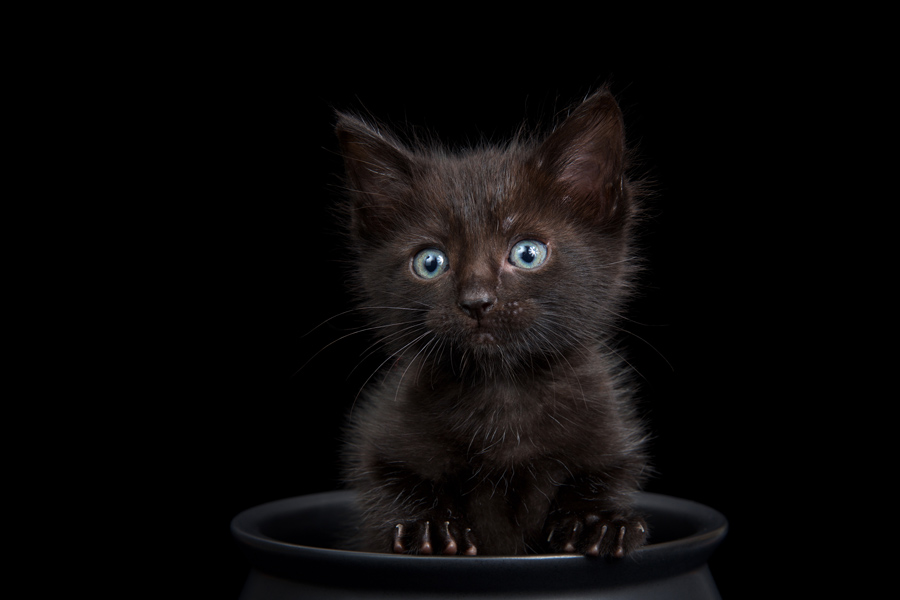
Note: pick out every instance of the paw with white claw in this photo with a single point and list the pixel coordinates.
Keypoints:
(440, 536)
(596, 533)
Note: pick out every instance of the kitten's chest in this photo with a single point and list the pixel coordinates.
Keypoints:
(507, 426)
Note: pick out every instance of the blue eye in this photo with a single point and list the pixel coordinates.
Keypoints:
(429, 263)
(528, 254)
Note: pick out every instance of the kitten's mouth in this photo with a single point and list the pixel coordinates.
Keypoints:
(483, 338)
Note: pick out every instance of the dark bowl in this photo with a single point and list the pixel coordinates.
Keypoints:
(294, 552)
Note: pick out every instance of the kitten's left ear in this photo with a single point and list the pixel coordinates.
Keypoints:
(586, 156)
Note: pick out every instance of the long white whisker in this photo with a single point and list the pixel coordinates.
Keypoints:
(649, 345)
(383, 341)
(343, 337)
(359, 308)
(393, 355)
(427, 306)
(606, 345)
(412, 360)
(560, 354)
(425, 358)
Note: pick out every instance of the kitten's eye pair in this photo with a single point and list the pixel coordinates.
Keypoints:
(527, 254)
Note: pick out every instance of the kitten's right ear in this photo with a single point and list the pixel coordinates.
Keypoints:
(379, 169)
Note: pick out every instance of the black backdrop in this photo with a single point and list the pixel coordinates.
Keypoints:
(248, 263)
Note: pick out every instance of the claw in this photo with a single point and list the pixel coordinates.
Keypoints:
(398, 537)
(594, 550)
(470, 550)
(570, 543)
(449, 542)
(425, 543)
(620, 547)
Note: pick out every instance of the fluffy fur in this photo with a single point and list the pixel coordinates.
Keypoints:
(504, 423)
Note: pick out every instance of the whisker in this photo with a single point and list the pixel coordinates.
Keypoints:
(393, 355)
(605, 344)
(383, 341)
(649, 345)
(405, 333)
(407, 299)
(343, 337)
(412, 360)
(613, 325)
(424, 360)
(358, 308)
(556, 351)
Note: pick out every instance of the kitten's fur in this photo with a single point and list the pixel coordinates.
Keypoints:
(504, 424)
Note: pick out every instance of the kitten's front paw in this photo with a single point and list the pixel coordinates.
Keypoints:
(440, 536)
(596, 533)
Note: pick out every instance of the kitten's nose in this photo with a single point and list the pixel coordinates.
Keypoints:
(477, 306)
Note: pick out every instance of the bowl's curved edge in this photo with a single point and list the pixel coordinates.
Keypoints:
(395, 571)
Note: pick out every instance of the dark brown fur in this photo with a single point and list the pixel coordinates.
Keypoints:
(504, 422)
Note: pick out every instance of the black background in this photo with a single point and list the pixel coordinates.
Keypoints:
(246, 263)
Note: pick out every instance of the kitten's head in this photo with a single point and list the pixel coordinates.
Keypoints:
(510, 254)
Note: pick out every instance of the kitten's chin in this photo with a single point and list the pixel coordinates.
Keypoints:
(486, 341)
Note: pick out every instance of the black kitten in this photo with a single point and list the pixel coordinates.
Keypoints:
(493, 278)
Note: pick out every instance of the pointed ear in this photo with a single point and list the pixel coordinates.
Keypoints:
(379, 171)
(586, 156)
